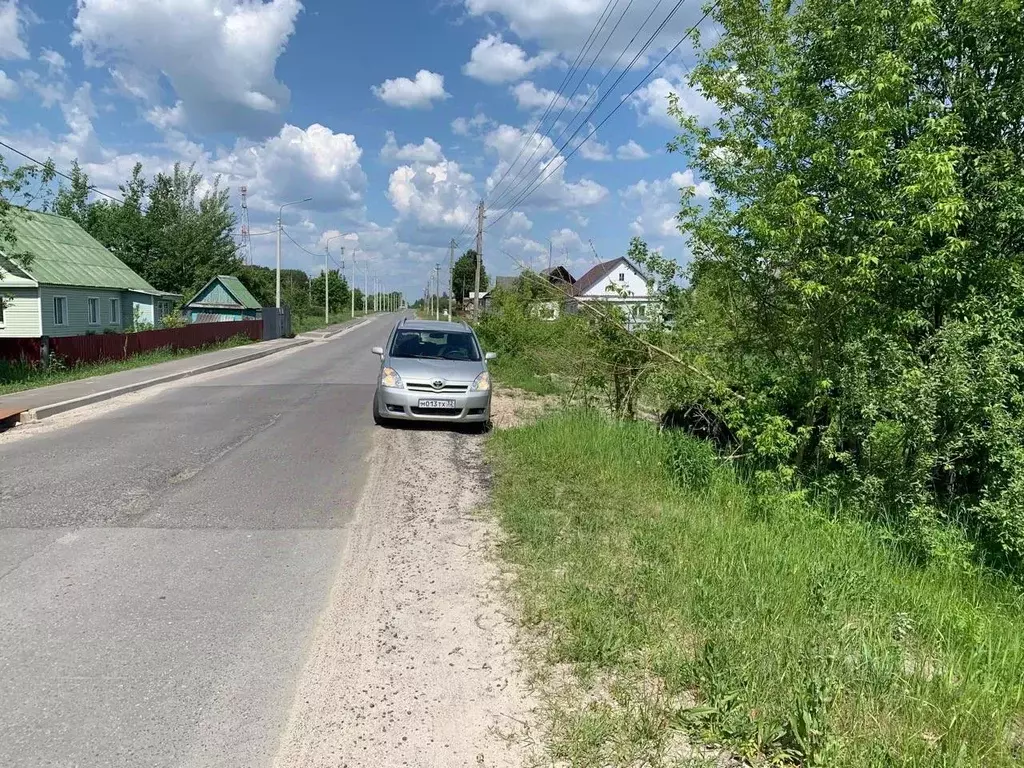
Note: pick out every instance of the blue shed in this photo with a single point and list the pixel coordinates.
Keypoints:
(222, 299)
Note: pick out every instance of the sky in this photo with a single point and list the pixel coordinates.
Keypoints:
(395, 116)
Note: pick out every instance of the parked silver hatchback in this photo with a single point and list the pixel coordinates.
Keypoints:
(433, 371)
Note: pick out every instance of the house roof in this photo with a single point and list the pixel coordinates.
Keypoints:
(559, 273)
(62, 253)
(600, 272)
(233, 286)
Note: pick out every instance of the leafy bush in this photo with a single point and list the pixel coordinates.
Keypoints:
(857, 275)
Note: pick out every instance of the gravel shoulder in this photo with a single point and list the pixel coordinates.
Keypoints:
(412, 662)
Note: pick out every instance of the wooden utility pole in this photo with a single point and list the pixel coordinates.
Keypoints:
(451, 277)
(437, 290)
(479, 258)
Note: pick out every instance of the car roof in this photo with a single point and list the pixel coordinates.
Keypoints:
(413, 324)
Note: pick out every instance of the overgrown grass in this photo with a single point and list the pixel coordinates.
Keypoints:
(801, 639)
(314, 322)
(17, 377)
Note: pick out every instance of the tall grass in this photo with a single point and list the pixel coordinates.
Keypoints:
(756, 623)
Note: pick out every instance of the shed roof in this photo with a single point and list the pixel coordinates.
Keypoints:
(600, 272)
(233, 286)
(62, 253)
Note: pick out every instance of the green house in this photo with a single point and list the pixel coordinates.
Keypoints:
(222, 299)
(57, 280)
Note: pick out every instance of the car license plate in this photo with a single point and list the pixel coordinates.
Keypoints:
(437, 404)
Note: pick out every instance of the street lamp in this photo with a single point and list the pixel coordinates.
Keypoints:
(279, 230)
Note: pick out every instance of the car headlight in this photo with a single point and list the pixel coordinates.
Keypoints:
(389, 378)
(482, 383)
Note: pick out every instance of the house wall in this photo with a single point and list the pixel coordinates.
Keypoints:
(634, 284)
(21, 314)
(143, 303)
(78, 310)
(215, 293)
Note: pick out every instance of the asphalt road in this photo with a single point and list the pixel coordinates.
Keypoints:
(163, 564)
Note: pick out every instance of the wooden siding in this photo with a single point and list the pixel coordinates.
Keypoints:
(21, 316)
(216, 294)
(77, 321)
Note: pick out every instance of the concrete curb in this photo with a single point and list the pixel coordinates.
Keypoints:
(45, 411)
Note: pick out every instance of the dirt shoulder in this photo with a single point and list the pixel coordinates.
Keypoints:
(412, 662)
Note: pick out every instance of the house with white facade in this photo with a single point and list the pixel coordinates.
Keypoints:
(619, 283)
(57, 280)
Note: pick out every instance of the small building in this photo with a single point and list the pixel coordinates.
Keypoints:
(222, 299)
(620, 283)
(58, 280)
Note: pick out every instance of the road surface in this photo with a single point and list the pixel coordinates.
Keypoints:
(177, 573)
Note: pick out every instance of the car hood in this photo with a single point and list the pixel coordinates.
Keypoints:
(428, 370)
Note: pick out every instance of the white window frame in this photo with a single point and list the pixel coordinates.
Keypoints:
(99, 311)
(64, 311)
(115, 311)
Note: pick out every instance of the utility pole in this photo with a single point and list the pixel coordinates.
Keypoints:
(352, 285)
(327, 286)
(437, 290)
(366, 288)
(451, 277)
(479, 258)
(549, 255)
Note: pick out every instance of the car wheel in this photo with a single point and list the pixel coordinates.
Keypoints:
(483, 427)
(377, 418)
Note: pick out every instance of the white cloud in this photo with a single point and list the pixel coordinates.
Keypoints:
(420, 93)
(54, 62)
(518, 222)
(494, 61)
(651, 103)
(554, 192)
(297, 163)
(658, 203)
(466, 126)
(632, 151)
(561, 25)
(8, 88)
(438, 196)
(219, 56)
(427, 152)
(12, 30)
(595, 150)
(167, 118)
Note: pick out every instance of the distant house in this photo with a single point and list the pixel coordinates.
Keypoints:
(618, 282)
(224, 298)
(57, 280)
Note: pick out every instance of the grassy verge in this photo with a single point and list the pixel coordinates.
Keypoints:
(16, 377)
(691, 609)
(303, 323)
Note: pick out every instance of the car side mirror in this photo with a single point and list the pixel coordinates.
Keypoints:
(378, 351)
(491, 356)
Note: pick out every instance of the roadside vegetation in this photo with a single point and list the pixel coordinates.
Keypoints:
(18, 376)
(819, 561)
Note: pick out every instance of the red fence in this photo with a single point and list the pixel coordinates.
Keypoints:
(117, 346)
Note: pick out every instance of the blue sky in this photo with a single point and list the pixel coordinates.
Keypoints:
(396, 116)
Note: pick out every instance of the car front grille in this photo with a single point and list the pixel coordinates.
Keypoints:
(447, 389)
(449, 412)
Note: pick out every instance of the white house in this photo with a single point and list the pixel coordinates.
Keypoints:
(57, 280)
(620, 283)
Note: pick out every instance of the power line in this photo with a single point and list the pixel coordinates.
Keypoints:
(524, 171)
(556, 95)
(562, 160)
(643, 49)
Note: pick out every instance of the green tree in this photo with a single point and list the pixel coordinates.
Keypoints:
(464, 276)
(20, 189)
(864, 251)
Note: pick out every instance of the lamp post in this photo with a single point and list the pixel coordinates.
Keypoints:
(279, 230)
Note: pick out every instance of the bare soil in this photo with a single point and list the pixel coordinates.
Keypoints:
(412, 663)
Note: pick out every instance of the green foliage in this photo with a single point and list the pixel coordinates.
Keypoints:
(20, 188)
(792, 639)
(169, 233)
(857, 275)
(464, 276)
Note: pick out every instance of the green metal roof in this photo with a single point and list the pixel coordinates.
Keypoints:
(239, 291)
(62, 253)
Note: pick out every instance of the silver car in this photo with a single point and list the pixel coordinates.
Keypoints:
(433, 371)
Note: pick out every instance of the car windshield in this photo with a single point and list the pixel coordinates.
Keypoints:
(435, 345)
